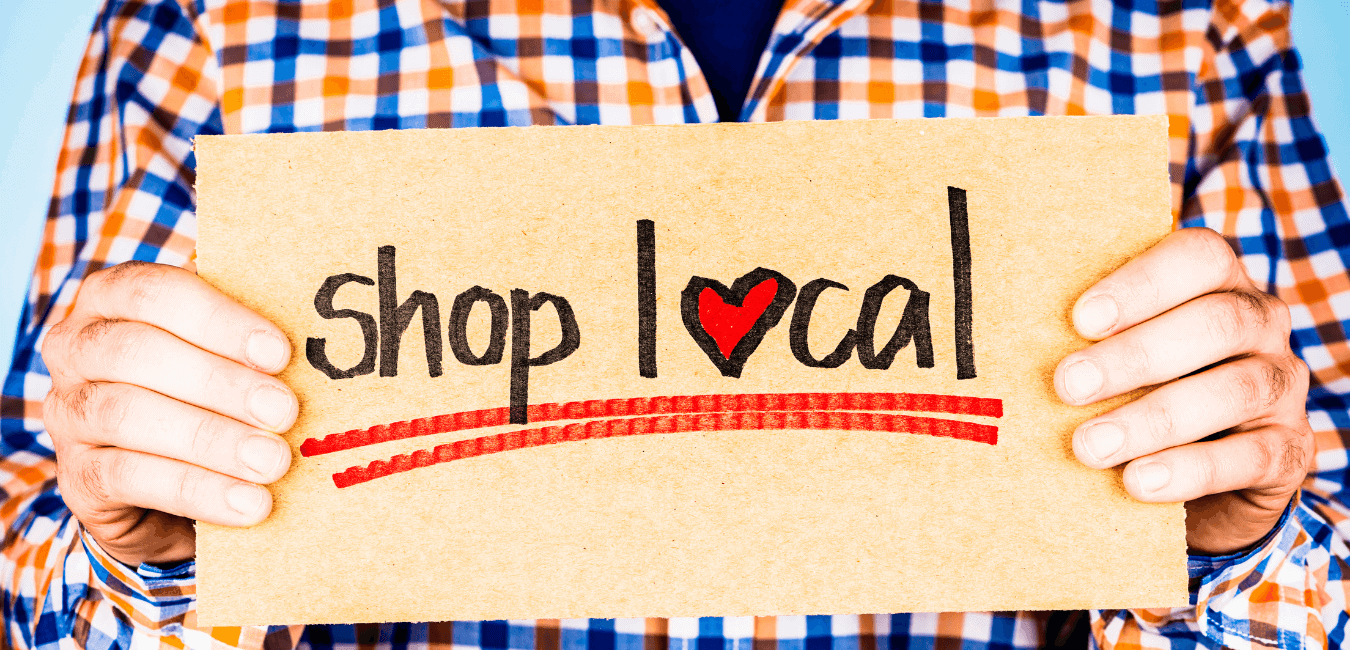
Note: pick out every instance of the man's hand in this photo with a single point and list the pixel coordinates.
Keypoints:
(163, 410)
(1185, 317)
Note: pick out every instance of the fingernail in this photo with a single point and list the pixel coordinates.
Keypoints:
(262, 454)
(270, 406)
(265, 350)
(1096, 316)
(1102, 440)
(245, 499)
(1082, 380)
(1152, 476)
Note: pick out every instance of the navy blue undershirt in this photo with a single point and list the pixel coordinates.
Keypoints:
(726, 37)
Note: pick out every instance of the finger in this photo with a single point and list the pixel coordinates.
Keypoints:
(130, 417)
(113, 478)
(129, 352)
(1187, 264)
(1192, 408)
(1273, 457)
(1199, 333)
(136, 536)
(182, 304)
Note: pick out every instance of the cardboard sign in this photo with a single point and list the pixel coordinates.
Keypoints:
(684, 371)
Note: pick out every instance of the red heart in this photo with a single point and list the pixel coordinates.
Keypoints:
(728, 324)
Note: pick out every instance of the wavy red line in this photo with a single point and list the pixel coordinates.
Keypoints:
(730, 421)
(644, 406)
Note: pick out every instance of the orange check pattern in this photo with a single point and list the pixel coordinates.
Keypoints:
(1246, 160)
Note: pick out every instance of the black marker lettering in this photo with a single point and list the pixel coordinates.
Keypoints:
(646, 268)
(801, 324)
(961, 268)
(315, 347)
(459, 327)
(522, 303)
(913, 326)
(394, 319)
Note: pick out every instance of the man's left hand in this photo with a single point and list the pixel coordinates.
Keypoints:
(1226, 430)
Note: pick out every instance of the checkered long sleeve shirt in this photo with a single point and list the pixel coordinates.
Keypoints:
(1246, 160)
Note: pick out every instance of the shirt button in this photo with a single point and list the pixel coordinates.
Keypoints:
(645, 23)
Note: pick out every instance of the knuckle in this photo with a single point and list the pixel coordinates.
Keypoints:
(1278, 377)
(93, 336)
(91, 479)
(63, 449)
(120, 470)
(1255, 307)
(1246, 389)
(1298, 369)
(1277, 314)
(144, 285)
(68, 481)
(1226, 318)
(105, 279)
(189, 488)
(112, 407)
(1289, 459)
(107, 341)
(64, 412)
(98, 280)
(216, 320)
(1206, 471)
(77, 402)
(54, 345)
(54, 412)
(138, 284)
(1135, 360)
(1293, 459)
(124, 272)
(1265, 454)
(206, 436)
(1212, 245)
(1308, 441)
(1160, 425)
(82, 488)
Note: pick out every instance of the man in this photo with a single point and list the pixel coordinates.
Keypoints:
(153, 392)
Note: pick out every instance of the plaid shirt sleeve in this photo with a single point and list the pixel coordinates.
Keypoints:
(123, 191)
(1258, 172)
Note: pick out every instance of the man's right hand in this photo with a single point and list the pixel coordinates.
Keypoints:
(163, 410)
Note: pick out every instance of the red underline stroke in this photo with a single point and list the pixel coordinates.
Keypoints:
(681, 423)
(644, 406)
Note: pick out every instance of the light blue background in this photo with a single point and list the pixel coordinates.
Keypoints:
(43, 41)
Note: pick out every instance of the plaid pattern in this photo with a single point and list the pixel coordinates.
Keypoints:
(1247, 160)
